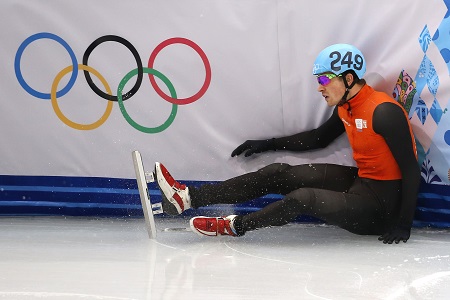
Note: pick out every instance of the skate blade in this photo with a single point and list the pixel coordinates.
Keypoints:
(182, 229)
(149, 209)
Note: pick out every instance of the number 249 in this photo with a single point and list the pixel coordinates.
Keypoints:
(347, 59)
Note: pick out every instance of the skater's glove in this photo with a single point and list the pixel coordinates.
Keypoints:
(254, 146)
(396, 234)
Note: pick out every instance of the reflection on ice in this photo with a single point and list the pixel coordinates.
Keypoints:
(78, 258)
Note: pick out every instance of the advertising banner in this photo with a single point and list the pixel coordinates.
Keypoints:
(84, 83)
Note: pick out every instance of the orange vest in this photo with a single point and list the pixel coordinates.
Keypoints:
(370, 151)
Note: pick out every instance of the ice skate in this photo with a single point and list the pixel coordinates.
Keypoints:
(175, 196)
(213, 226)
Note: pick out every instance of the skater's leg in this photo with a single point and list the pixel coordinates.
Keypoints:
(359, 213)
(276, 178)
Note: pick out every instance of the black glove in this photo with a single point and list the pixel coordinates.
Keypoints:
(396, 234)
(254, 146)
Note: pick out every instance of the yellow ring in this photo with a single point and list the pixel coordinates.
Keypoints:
(58, 111)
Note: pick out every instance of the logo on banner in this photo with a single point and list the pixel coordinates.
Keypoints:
(428, 108)
(121, 96)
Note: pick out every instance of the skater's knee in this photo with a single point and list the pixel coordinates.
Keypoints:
(300, 200)
(274, 169)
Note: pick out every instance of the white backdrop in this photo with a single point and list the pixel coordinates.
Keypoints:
(260, 52)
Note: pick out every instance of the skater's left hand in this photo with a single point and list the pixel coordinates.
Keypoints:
(396, 234)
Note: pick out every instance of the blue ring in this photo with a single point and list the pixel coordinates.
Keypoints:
(30, 90)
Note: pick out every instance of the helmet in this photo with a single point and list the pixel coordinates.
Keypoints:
(339, 58)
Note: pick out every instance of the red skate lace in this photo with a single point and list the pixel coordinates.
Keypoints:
(223, 226)
(169, 178)
(178, 186)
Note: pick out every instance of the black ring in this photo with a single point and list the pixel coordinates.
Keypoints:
(114, 38)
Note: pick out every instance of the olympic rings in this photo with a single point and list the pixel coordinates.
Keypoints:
(200, 52)
(62, 117)
(121, 97)
(29, 40)
(127, 117)
(130, 47)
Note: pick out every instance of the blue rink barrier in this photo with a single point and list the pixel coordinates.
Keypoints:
(90, 196)
(118, 197)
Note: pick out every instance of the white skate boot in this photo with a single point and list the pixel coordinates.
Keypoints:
(213, 226)
(175, 196)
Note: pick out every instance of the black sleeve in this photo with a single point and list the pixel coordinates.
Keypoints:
(313, 139)
(389, 121)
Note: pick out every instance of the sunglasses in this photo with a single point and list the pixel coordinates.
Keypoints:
(325, 79)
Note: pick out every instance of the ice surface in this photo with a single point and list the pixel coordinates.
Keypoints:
(82, 258)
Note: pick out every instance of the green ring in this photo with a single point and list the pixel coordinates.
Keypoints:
(127, 117)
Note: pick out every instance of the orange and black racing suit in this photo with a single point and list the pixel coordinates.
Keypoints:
(378, 194)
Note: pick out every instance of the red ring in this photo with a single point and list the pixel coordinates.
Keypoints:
(205, 60)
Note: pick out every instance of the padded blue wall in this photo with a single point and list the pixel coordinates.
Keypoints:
(117, 197)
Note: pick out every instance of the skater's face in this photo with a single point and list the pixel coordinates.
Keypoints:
(331, 87)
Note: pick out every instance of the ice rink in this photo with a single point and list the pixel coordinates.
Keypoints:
(107, 258)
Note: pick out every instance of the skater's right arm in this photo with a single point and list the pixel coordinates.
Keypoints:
(303, 141)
